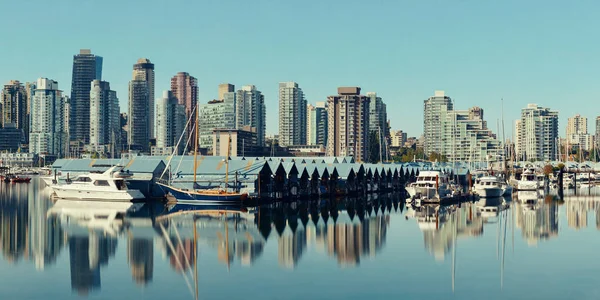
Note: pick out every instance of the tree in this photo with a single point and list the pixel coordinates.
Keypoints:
(434, 156)
(548, 169)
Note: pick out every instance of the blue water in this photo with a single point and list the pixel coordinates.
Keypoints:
(342, 249)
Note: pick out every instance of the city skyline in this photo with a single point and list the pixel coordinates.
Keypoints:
(510, 66)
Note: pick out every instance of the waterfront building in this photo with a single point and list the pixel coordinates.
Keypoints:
(138, 116)
(435, 108)
(292, 115)
(185, 89)
(537, 134)
(241, 142)
(170, 124)
(348, 124)
(216, 114)
(105, 127)
(144, 70)
(49, 108)
(13, 106)
(316, 126)
(251, 111)
(86, 68)
(577, 125)
(225, 88)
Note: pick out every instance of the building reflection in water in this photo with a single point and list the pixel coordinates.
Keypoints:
(537, 220)
(140, 255)
(14, 222)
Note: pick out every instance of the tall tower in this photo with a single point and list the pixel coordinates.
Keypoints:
(13, 104)
(139, 116)
(170, 121)
(104, 116)
(292, 115)
(537, 132)
(48, 134)
(144, 70)
(86, 68)
(185, 89)
(316, 127)
(251, 111)
(435, 109)
(348, 122)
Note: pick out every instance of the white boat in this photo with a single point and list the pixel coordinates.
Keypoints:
(528, 181)
(425, 186)
(108, 186)
(488, 186)
(507, 189)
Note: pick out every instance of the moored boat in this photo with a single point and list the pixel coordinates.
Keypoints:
(19, 179)
(488, 186)
(107, 186)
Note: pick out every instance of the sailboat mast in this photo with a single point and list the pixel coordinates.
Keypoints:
(196, 144)
(227, 161)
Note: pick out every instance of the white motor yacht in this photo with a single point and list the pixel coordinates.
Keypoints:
(528, 181)
(108, 186)
(430, 185)
(488, 186)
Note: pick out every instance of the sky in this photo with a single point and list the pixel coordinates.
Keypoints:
(479, 52)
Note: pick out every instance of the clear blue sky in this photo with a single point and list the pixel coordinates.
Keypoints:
(543, 52)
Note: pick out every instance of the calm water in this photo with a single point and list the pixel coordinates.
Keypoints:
(343, 249)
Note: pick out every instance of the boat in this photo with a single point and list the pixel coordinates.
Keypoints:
(429, 185)
(107, 186)
(488, 187)
(528, 181)
(220, 195)
(19, 179)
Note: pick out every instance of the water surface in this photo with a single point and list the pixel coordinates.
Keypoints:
(538, 247)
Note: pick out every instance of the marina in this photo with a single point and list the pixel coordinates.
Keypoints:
(154, 250)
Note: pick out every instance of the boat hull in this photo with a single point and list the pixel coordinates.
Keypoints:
(121, 195)
(489, 192)
(208, 198)
(527, 186)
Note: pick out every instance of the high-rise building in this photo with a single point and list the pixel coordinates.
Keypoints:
(170, 123)
(251, 111)
(86, 68)
(597, 137)
(13, 105)
(537, 134)
(435, 108)
(399, 138)
(292, 115)
(225, 88)
(49, 107)
(138, 116)
(105, 112)
(458, 135)
(378, 122)
(144, 70)
(316, 127)
(465, 137)
(577, 133)
(377, 115)
(185, 89)
(577, 125)
(216, 114)
(348, 124)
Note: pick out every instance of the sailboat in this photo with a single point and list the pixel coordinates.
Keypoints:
(206, 196)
